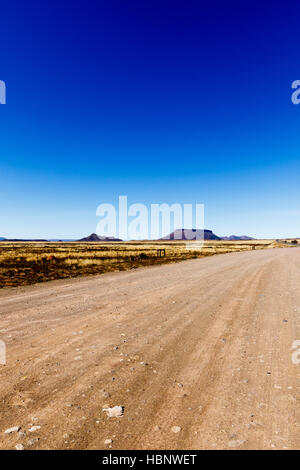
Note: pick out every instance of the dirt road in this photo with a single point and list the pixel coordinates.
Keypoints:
(204, 345)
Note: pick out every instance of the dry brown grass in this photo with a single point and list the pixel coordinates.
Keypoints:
(24, 263)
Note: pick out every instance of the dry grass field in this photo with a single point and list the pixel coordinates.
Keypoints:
(23, 263)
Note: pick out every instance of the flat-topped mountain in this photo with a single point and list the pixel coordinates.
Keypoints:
(191, 234)
(96, 238)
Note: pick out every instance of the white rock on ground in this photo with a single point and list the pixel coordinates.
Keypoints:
(14, 429)
(236, 443)
(34, 428)
(176, 429)
(108, 441)
(19, 447)
(114, 412)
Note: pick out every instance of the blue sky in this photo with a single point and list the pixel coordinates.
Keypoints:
(162, 101)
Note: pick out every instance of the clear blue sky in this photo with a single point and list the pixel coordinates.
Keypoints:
(163, 101)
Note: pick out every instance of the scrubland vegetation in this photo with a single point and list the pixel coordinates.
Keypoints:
(23, 263)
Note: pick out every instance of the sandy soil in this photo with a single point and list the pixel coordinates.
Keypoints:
(205, 345)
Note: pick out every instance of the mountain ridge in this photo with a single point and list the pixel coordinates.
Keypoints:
(177, 235)
(96, 238)
(191, 234)
(237, 237)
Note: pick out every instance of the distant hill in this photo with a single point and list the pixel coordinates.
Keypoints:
(238, 237)
(96, 238)
(22, 240)
(179, 234)
(62, 240)
(191, 234)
